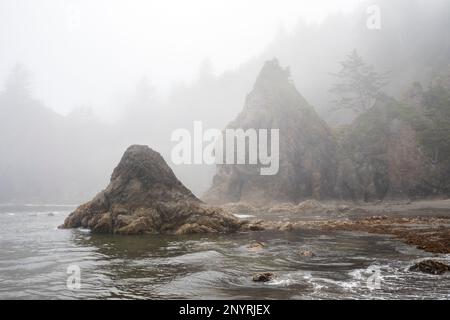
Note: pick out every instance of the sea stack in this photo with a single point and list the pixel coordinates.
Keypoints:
(307, 148)
(145, 196)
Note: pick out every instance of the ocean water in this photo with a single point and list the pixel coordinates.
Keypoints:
(37, 261)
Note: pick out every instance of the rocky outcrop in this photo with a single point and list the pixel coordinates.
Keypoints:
(264, 277)
(306, 253)
(256, 246)
(307, 149)
(144, 196)
(398, 149)
(380, 156)
(430, 266)
(240, 207)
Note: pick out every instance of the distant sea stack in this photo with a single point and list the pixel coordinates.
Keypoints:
(308, 156)
(144, 196)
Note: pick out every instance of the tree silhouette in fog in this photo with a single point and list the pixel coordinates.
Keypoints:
(18, 81)
(358, 84)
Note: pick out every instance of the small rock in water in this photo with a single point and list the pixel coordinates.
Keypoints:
(430, 266)
(263, 277)
(50, 214)
(343, 208)
(309, 206)
(256, 246)
(306, 253)
(286, 226)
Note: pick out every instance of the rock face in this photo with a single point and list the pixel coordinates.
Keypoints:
(144, 196)
(398, 149)
(308, 161)
(380, 156)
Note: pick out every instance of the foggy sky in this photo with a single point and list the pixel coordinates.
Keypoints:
(92, 53)
(150, 67)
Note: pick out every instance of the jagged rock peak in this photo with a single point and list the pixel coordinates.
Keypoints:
(272, 74)
(145, 170)
(307, 148)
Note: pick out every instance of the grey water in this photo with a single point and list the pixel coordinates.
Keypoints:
(36, 259)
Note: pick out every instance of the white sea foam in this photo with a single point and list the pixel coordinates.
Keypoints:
(243, 216)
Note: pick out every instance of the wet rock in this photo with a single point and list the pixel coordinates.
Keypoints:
(305, 207)
(310, 206)
(344, 208)
(255, 225)
(137, 226)
(144, 196)
(256, 246)
(286, 226)
(50, 214)
(239, 207)
(379, 219)
(283, 208)
(264, 277)
(306, 253)
(104, 224)
(430, 266)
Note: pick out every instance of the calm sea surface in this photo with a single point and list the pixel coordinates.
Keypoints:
(35, 258)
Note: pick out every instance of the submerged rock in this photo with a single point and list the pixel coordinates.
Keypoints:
(256, 246)
(144, 196)
(430, 266)
(306, 253)
(264, 277)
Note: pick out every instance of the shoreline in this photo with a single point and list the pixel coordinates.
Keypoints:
(424, 224)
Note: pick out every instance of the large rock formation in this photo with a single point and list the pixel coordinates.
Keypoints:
(398, 149)
(307, 163)
(380, 155)
(144, 196)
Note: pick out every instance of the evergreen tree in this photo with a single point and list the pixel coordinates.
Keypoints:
(358, 84)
